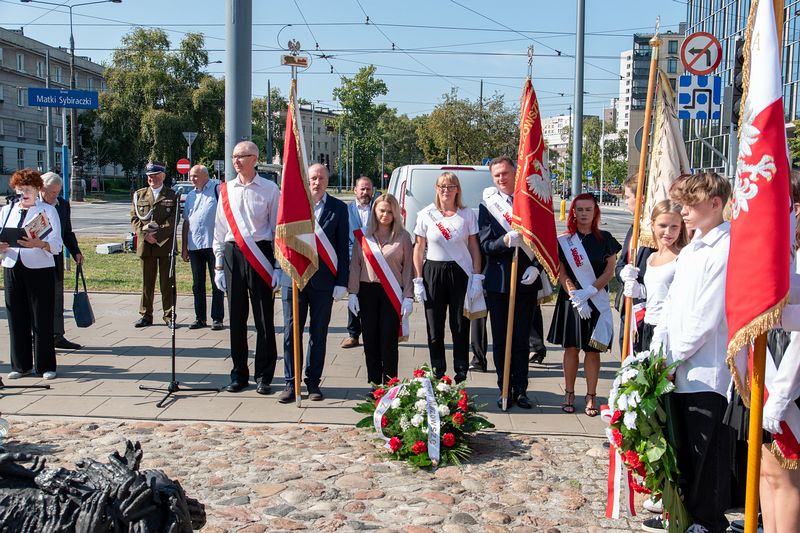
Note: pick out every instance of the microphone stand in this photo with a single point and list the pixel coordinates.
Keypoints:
(174, 385)
(14, 200)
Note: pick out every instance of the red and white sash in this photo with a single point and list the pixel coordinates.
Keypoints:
(579, 263)
(390, 284)
(325, 249)
(458, 252)
(785, 446)
(243, 239)
(619, 479)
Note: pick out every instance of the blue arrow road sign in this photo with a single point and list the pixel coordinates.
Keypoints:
(588, 173)
(41, 97)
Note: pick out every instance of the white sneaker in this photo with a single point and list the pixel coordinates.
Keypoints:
(697, 528)
(14, 374)
(49, 375)
(654, 505)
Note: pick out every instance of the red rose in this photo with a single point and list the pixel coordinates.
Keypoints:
(464, 393)
(641, 470)
(446, 379)
(419, 373)
(419, 447)
(393, 382)
(617, 436)
(641, 489)
(378, 393)
(448, 439)
(384, 421)
(632, 459)
(458, 419)
(615, 417)
(395, 444)
(463, 405)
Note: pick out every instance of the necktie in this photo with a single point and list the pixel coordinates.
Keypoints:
(511, 200)
(22, 214)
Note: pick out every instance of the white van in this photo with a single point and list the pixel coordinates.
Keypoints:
(413, 186)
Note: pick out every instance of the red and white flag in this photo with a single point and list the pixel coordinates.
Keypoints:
(757, 284)
(532, 213)
(295, 244)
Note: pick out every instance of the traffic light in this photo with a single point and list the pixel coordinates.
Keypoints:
(737, 77)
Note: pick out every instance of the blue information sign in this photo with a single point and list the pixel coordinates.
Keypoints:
(41, 97)
(588, 173)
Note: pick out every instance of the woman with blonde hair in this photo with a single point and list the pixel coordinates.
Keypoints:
(380, 287)
(447, 263)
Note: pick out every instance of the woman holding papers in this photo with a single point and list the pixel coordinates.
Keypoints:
(380, 286)
(447, 262)
(30, 275)
(582, 319)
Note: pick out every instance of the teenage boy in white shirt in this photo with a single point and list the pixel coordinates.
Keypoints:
(693, 330)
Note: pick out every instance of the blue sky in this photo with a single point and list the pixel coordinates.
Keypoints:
(463, 41)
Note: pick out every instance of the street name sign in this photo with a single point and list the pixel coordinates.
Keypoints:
(701, 53)
(183, 166)
(699, 97)
(42, 97)
(294, 61)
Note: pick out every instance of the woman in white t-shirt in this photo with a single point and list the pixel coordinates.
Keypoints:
(670, 235)
(447, 262)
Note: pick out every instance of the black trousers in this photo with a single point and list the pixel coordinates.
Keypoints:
(497, 303)
(29, 307)
(203, 261)
(381, 325)
(246, 287)
(705, 454)
(320, 305)
(478, 341)
(446, 287)
(536, 337)
(58, 301)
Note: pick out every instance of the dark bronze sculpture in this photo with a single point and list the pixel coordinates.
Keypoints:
(94, 498)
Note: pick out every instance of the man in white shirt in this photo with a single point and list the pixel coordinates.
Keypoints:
(198, 234)
(245, 266)
(358, 215)
(694, 331)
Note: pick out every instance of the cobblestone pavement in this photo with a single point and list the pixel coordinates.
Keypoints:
(255, 478)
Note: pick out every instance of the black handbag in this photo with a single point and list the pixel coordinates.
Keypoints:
(81, 308)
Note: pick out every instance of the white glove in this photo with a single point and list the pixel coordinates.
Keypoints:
(771, 425)
(513, 238)
(579, 296)
(629, 273)
(633, 289)
(339, 292)
(277, 274)
(219, 280)
(584, 311)
(530, 275)
(419, 290)
(657, 343)
(407, 307)
(352, 304)
(772, 416)
(475, 285)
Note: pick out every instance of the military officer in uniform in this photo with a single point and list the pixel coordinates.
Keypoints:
(152, 219)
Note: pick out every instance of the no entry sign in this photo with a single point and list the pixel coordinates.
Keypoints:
(701, 53)
(183, 166)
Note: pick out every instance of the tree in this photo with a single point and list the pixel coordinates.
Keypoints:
(399, 134)
(794, 144)
(278, 106)
(360, 117)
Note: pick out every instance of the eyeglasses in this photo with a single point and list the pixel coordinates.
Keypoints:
(444, 188)
(242, 156)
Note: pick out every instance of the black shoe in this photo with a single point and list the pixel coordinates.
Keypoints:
(263, 388)
(477, 366)
(286, 395)
(198, 324)
(460, 377)
(314, 393)
(654, 525)
(217, 325)
(500, 403)
(538, 357)
(236, 386)
(64, 344)
(524, 402)
(143, 322)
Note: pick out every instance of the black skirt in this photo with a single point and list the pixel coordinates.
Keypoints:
(568, 329)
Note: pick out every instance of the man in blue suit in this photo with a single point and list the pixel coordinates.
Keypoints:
(323, 288)
(497, 242)
(358, 217)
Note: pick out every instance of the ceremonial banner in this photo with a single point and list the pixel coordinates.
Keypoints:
(668, 158)
(757, 283)
(295, 243)
(532, 213)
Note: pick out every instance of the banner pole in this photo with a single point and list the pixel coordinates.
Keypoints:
(512, 300)
(296, 340)
(754, 434)
(655, 42)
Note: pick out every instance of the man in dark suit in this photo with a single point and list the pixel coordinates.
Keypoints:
(497, 243)
(50, 193)
(152, 220)
(323, 288)
(358, 215)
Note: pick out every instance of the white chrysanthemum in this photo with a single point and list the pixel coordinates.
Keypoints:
(643, 356)
(612, 396)
(442, 387)
(404, 423)
(425, 430)
(629, 420)
(617, 382)
(420, 392)
(622, 402)
(403, 392)
(444, 410)
(634, 399)
(628, 361)
(416, 420)
(421, 406)
(628, 374)
(396, 403)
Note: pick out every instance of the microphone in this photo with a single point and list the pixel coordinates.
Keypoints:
(10, 199)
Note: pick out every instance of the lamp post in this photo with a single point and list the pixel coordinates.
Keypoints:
(75, 182)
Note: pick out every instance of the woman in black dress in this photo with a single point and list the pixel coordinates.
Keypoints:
(575, 315)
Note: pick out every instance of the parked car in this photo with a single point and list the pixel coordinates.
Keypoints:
(605, 197)
(413, 186)
(182, 188)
